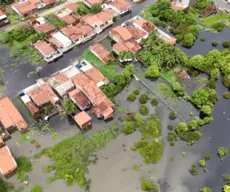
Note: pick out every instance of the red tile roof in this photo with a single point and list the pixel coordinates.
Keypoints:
(49, 2)
(44, 47)
(96, 75)
(104, 109)
(121, 5)
(42, 95)
(126, 46)
(10, 116)
(82, 119)
(68, 19)
(34, 110)
(55, 42)
(7, 163)
(25, 7)
(119, 47)
(45, 28)
(91, 2)
(72, 6)
(144, 24)
(79, 98)
(60, 78)
(132, 46)
(136, 33)
(101, 52)
(105, 15)
(124, 33)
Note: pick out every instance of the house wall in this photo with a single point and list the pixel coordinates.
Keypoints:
(115, 36)
(86, 3)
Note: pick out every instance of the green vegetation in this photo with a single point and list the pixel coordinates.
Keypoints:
(165, 90)
(222, 151)
(226, 95)
(136, 167)
(226, 178)
(96, 8)
(125, 56)
(150, 151)
(206, 109)
(4, 186)
(226, 188)
(205, 189)
(226, 44)
(131, 97)
(215, 43)
(152, 72)
(136, 91)
(152, 128)
(36, 188)
(202, 38)
(170, 127)
(169, 76)
(55, 21)
(72, 156)
(154, 101)
(172, 137)
(24, 166)
(172, 115)
(12, 16)
(216, 22)
(69, 106)
(129, 127)
(178, 88)
(143, 98)
(207, 156)
(148, 185)
(202, 163)
(144, 110)
(193, 170)
(183, 153)
(82, 9)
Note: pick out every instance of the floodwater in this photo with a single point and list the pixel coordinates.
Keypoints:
(116, 173)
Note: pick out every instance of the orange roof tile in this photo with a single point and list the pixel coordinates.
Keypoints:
(72, 32)
(82, 118)
(24, 7)
(171, 41)
(68, 19)
(95, 75)
(119, 47)
(55, 42)
(136, 33)
(32, 108)
(44, 47)
(7, 163)
(101, 52)
(45, 28)
(105, 15)
(92, 20)
(91, 2)
(121, 5)
(13, 114)
(72, 6)
(60, 78)
(2, 13)
(144, 24)
(49, 2)
(122, 32)
(132, 46)
(79, 98)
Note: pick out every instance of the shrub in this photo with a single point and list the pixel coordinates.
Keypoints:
(131, 97)
(177, 87)
(226, 95)
(226, 178)
(170, 127)
(193, 170)
(171, 136)
(172, 143)
(183, 153)
(143, 98)
(136, 167)
(96, 8)
(202, 38)
(206, 109)
(136, 91)
(143, 110)
(154, 101)
(205, 189)
(207, 156)
(215, 43)
(36, 188)
(202, 163)
(129, 127)
(218, 26)
(226, 44)
(172, 115)
(222, 151)
(69, 106)
(147, 185)
(24, 165)
(152, 128)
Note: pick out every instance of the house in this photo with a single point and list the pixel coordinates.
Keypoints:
(40, 25)
(7, 163)
(83, 120)
(119, 6)
(165, 37)
(65, 16)
(183, 4)
(10, 117)
(3, 18)
(62, 43)
(128, 46)
(79, 98)
(95, 75)
(120, 33)
(143, 24)
(101, 52)
(89, 3)
(99, 21)
(103, 107)
(47, 51)
(79, 33)
(72, 7)
(33, 109)
(137, 33)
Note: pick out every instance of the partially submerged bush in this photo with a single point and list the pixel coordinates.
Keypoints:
(172, 115)
(215, 43)
(226, 44)
(154, 101)
(131, 97)
(144, 110)
(193, 170)
(226, 95)
(143, 98)
(170, 127)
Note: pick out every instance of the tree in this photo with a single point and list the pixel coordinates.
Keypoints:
(226, 95)
(181, 128)
(96, 8)
(178, 88)
(154, 101)
(143, 98)
(226, 188)
(129, 127)
(143, 110)
(215, 73)
(226, 178)
(226, 44)
(226, 81)
(152, 128)
(188, 40)
(172, 115)
(222, 151)
(36, 188)
(131, 97)
(125, 56)
(147, 185)
(69, 106)
(218, 26)
(197, 62)
(152, 72)
(202, 163)
(205, 189)
(3, 185)
(206, 109)
(139, 120)
(193, 170)
(215, 43)
(207, 156)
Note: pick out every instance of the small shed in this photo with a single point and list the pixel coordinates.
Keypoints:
(83, 119)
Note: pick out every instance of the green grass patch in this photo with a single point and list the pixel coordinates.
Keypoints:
(72, 156)
(148, 185)
(121, 109)
(169, 76)
(12, 16)
(82, 9)
(36, 188)
(93, 59)
(213, 19)
(55, 21)
(165, 90)
(24, 166)
(136, 167)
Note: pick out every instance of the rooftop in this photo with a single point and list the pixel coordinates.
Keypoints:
(44, 47)
(121, 5)
(101, 52)
(79, 98)
(91, 2)
(24, 7)
(136, 33)
(7, 163)
(94, 74)
(105, 15)
(104, 108)
(45, 28)
(144, 24)
(68, 19)
(82, 118)
(10, 116)
(123, 33)
(61, 40)
(126, 46)
(72, 7)
(60, 78)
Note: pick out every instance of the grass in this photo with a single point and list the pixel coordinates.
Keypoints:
(169, 76)
(55, 21)
(121, 109)
(136, 167)
(12, 16)
(72, 156)
(165, 90)
(213, 19)
(36, 188)
(24, 166)
(148, 185)
(83, 9)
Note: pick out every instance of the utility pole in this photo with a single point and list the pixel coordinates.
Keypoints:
(37, 70)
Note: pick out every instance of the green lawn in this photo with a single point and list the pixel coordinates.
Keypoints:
(169, 76)
(213, 19)
(12, 16)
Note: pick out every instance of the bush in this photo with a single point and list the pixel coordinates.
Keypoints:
(222, 151)
(154, 101)
(226, 95)
(131, 97)
(143, 98)
(177, 87)
(36, 188)
(147, 185)
(172, 143)
(218, 26)
(136, 91)
(202, 38)
(129, 127)
(143, 110)
(152, 128)
(226, 44)
(202, 163)
(205, 189)
(193, 170)
(172, 115)
(215, 43)
(171, 136)
(96, 8)
(207, 156)
(170, 127)
(226, 178)
(24, 166)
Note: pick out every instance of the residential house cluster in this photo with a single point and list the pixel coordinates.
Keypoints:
(3, 18)
(78, 29)
(101, 52)
(129, 34)
(10, 119)
(80, 82)
(27, 8)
